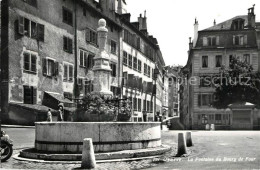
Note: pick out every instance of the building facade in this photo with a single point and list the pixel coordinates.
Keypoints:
(47, 51)
(211, 48)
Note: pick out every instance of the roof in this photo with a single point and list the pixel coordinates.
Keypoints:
(226, 25)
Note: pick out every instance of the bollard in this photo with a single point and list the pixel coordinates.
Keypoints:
(188, 139)
(181, 145)
(88, 156)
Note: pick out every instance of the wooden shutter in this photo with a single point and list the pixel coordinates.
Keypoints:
(234, 39)
(87, 34)
(217, 40)
(21, 25)
(205, 41)
(65, 43)
(70, 45)
(34, 95)
(199, 100)
(56, 66)
(85, 58)
(245, 39)
(70, 73)
(40, 32)
(44, 68)
(33, 62)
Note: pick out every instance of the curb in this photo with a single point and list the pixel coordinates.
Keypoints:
(125, 155)
(16, 126)
(16, 156)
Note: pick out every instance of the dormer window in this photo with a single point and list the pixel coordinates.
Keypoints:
(238, 24)
(211, 41)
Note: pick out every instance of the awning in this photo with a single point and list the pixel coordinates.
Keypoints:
(241, 105)
(59, 97)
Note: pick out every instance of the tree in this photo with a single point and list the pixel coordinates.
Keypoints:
(236, 84)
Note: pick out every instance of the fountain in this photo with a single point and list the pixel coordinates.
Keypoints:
(111, 140)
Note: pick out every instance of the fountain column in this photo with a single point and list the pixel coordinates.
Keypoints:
(101, 69)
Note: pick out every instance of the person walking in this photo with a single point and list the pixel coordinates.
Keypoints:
(60, 116)
(49, 116)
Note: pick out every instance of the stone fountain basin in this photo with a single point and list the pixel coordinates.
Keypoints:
(106, 136)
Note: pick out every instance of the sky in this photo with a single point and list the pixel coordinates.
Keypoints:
(171, 21)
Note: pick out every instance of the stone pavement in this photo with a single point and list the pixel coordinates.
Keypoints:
(140, 164)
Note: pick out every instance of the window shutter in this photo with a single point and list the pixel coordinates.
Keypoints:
(245, 40)
(21, 25)
(56, 68)
(34, 95)
(199, 100)
(217, 40)
(40, 32)
(205, 41)
(70, 73)
(65, 43)
(44, 68)
(70, 45)
(87, 34)
(241, 40)
(234, 39)
(85, 59)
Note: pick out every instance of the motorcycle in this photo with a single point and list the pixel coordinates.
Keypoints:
(6, 146)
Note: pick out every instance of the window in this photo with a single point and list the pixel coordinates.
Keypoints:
(67, 44)
(135, 104)
(139, 105)
(31, 2)
(246, 58)
(145, 69)
(113, 67)
(67, 16)
(68, 72)
(231, 57)
(144, 105)
(148, 71)
(135, 63)
(239, 39)
(113, 47)
(238, 24)
(151, 109)
(130, 61)
(50, 67)
(204, 119)
(31, 29)
(204, 61)
(30, 95)
(138, 43)
(218, 61)
(205, 99)
(83, 56)
(80, 83)
(84, 12)
(30, 62)
(211, 41)
(125, 58)
(91, 61)
(218, 119)
(91, 36)
(148, 106)
(140, 66)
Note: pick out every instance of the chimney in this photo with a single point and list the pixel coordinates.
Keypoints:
(214, 23)
(190, 43)
(142, 21)
(251, 17)
(120, 7)
(196, 28)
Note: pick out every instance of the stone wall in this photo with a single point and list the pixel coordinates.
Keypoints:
(106, 136)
